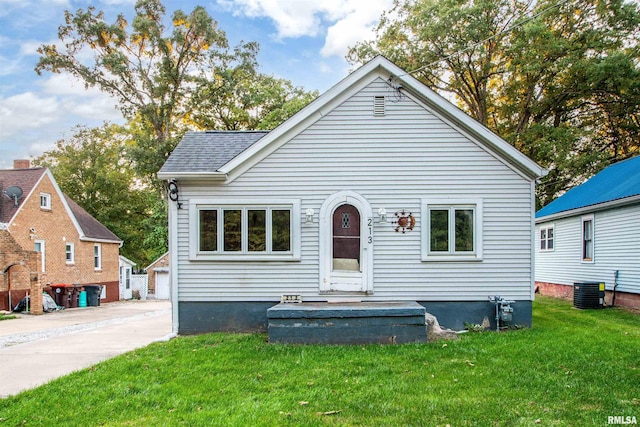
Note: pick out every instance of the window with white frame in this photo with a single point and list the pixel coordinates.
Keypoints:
(546, 238)
(69, 253)
(587, 238)
(39, 246)
(45, 201)
(241, 231)
(452, 230)
(97, 257)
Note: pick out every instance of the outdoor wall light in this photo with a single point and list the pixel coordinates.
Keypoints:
(382, 215)
(309, 214)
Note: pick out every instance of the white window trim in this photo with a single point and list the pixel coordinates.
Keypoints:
(584, 219)
(42, 254)
(477, 254)
(72, 251)
(547, 227)
(195, 205)
(97, 256)
(47, 198)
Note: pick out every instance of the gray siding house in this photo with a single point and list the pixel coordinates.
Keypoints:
(592, 234)
(379, 190)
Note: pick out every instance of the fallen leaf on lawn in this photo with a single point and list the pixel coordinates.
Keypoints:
(328, 413)
(310, 383)
(302, 402)
(538, 421)
(444, 345)
(470, 363)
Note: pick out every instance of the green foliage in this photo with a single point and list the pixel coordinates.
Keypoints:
(166, 81)
(574, 368)
(558, 80)
(92, 167)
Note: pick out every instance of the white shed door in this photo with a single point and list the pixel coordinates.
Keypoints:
(162, 285)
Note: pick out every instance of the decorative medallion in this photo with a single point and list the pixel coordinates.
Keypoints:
(405, 221)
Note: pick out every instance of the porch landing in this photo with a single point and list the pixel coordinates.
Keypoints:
(394, 322)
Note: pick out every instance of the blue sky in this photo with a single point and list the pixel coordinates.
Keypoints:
(304, 41)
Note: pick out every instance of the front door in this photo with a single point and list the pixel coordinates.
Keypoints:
(346, 269)
(346, 244)
(346, 238)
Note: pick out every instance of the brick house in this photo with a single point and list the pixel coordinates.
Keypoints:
(46, 239)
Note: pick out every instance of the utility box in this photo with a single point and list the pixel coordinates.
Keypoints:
(588, 295)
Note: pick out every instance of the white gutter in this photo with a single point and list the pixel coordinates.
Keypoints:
(591, 208)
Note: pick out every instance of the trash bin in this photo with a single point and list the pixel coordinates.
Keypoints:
(93, 295)
(58, 294)
(74, 293)
(82, 298)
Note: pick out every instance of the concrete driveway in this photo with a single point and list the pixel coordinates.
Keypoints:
(36, 349)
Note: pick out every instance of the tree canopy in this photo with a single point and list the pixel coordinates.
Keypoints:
(558, 80)
(168, 76)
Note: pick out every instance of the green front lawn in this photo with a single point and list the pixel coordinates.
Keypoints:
(573, 368)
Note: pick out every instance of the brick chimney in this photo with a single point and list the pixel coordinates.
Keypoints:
(22, 164)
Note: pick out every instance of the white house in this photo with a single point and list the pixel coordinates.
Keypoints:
(592, 234)
(125, 267)
(379, 190)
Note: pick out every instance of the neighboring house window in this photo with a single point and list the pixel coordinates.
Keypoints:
(256, 231)
(40, 247)
(97, 257)
(546, 238)
(587, 238)
(69, 253)
(45, 201)
(452, 230)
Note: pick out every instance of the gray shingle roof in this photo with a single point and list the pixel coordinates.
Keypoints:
(209, 151)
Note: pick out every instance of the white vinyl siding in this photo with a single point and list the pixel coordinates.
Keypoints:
(395, 162)
(616, 238)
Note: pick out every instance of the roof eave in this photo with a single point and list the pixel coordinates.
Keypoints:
(204, 176)
(590, 208)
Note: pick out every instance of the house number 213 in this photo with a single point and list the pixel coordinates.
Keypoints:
(370, 227)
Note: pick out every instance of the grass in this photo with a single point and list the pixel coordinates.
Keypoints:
(4, 316)
(573, 368)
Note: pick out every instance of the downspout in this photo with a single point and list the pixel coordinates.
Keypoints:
(615, 285)
(8, 273)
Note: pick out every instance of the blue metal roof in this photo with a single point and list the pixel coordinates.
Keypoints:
(618, 181)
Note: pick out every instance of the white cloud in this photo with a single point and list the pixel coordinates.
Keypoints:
(344, 21)
(31, 122)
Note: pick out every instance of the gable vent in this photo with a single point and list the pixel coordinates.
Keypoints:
(378, 106)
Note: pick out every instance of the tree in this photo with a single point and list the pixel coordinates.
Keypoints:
(92, 168)
(149, 70)
(558, 80)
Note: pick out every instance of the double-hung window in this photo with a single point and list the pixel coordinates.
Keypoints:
(452, 230)
(45, 201)
(587, 238)
(546, 238)
(97, 257)
(245, 230)
(69, 253)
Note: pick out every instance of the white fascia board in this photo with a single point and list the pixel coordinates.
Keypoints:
(590, 209)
